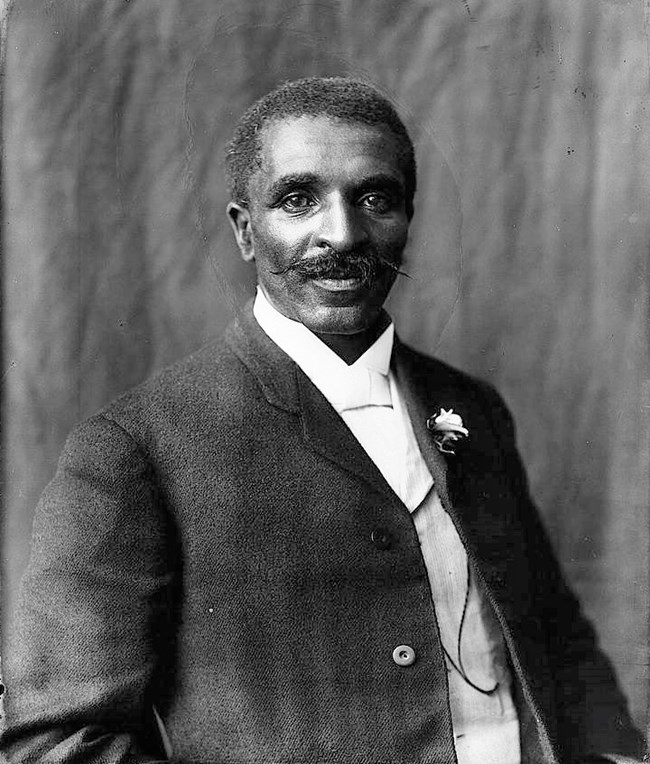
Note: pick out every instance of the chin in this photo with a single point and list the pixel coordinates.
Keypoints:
(346, 321)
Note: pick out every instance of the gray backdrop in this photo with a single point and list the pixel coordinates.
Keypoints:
(528, 250)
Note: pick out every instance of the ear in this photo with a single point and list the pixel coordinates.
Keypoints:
(240, 220)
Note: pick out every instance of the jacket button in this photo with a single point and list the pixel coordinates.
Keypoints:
(381, 538)
(404, 655)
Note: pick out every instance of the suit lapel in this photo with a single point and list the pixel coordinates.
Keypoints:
(274, 371)
(328, 435)
(427, 387)
(469, 482)
(286, 386)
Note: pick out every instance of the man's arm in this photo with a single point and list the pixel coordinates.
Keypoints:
(592, 711)
(92, 624)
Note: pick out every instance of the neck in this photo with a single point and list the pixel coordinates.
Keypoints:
(350, 347)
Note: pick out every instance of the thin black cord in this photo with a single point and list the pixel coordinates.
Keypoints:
(460, 668)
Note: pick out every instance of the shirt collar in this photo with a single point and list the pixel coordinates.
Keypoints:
(331, 375)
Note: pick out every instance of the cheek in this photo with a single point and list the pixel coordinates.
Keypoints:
(392, 238)
(279, 243)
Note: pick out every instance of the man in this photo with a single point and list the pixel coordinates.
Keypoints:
(307, 543)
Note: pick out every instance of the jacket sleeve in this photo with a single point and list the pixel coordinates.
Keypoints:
(592, 715)
(90, 634)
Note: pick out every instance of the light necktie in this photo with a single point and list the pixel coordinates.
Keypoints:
(359, 387)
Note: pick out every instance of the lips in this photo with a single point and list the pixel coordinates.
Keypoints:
(339, 284)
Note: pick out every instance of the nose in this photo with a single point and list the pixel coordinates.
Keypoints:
(341, 225)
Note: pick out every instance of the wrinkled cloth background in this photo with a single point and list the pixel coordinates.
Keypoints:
(528, 252)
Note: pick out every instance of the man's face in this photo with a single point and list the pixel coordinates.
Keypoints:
(326, 222)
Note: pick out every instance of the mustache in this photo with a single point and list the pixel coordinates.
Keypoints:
(367, 266)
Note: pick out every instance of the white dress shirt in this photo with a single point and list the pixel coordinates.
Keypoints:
(366, 396)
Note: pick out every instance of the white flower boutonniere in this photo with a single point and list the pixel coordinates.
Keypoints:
(447, 429)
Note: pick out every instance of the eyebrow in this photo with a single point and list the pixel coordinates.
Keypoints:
(293, 180)
(309, 180)
(383, 181)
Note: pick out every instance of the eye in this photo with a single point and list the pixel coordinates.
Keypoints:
(298, 201)
(377, 202)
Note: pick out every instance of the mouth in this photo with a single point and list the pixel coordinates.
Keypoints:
(339, 284)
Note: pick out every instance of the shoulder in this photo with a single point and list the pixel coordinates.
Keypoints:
(198, 371)
(198, 380)
(189, 393)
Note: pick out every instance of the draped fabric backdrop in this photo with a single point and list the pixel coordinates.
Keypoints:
(527, 257)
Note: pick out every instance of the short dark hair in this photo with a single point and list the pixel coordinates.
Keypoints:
(340, 98)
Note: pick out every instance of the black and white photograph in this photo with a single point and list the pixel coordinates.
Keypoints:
(325, 381)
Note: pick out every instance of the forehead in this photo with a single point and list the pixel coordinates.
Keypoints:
(332, 149)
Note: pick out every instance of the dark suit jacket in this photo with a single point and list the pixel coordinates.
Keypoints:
(206, 548)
